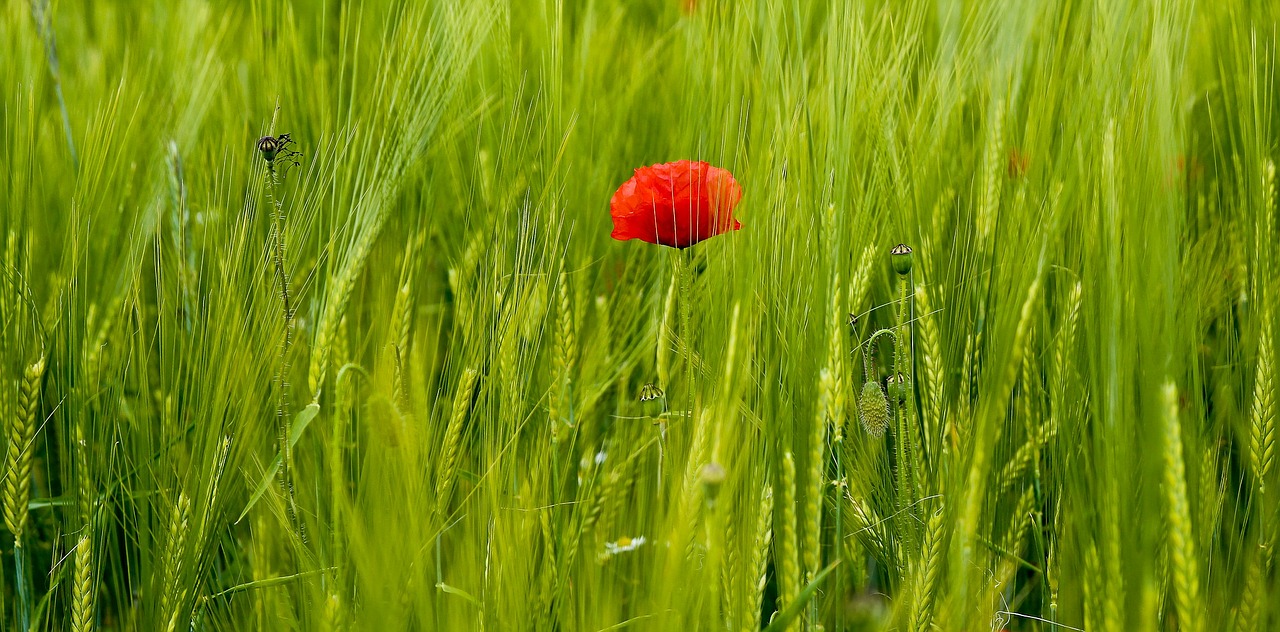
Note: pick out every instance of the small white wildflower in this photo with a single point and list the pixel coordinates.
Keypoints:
(621, 545)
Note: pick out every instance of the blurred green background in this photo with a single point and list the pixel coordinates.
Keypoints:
(411, 383)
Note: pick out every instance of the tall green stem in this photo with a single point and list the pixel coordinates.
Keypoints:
(684, 262)
(283, 419)
(22, 583)
(903, 360)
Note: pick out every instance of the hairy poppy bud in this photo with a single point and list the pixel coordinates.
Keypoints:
(873, 409)
(901, 257)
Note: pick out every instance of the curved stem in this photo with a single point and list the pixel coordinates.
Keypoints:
(869, 351)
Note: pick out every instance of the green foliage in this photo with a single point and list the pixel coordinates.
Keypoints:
(411, 383)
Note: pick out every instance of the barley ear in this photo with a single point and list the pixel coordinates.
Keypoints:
(930, 360)
(788, 558)
(831, 383)
(21, 434)
(1262, 414)
(82, 592)
(565, 351)
(816, 479)
(929, 575)
(174, 594)
(757, 577)
(1249, 612)
(1182, 553)
(1261, 457)
(992, 163)
(452, 438)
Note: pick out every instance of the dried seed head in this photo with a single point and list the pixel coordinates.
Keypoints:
(873, 409)
(901, 257)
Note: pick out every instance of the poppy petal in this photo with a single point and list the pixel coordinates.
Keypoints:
(676, 204)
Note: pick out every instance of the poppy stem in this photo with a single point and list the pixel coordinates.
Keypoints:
(908, 442)
(684, 264)
(283, 418)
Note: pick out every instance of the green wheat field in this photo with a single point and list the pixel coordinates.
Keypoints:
(312, 319)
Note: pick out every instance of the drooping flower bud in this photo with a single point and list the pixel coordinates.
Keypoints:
(873, 409)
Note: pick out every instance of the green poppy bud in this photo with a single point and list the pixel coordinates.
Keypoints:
(652, 400)
(873, 409)
(901, 257)
(269, 147)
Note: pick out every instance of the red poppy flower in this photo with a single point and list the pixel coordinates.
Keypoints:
(675, 204)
